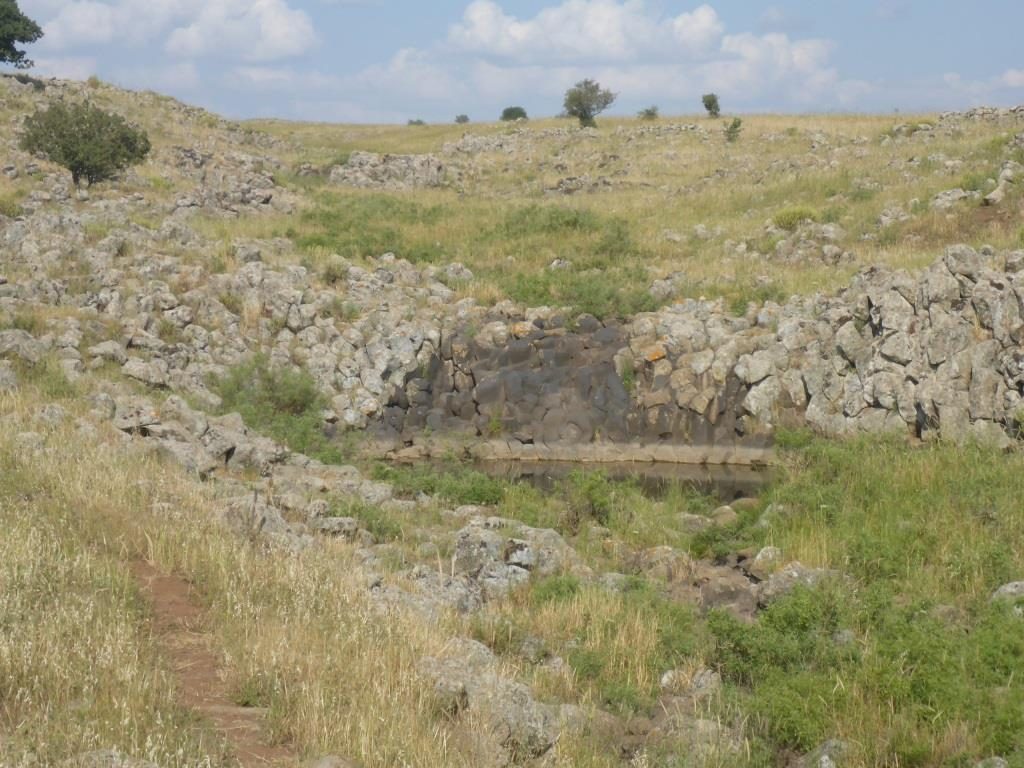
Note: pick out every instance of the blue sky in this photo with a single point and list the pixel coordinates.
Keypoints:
(392, 60)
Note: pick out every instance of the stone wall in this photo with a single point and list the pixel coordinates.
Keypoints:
(933, 354)
(551, 382)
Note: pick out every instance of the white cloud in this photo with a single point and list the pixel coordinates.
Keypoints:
(252, 30)
(756, 61)
(1013, 78)
(84, 23)
(584, 30)
(698, 31)
(255, 30)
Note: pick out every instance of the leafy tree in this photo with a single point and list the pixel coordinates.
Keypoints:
(94, 145)
(462, 119)
(417, 121)
(648, 113)
(711, 104)
(586, 100)
(16, 27)
(732, 130)
(513, 113)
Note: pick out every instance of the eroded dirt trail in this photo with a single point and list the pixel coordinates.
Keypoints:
(178, 629)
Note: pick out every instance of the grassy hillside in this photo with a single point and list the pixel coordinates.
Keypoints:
(886, 645)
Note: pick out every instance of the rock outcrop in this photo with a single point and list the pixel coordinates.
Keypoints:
(394, 172)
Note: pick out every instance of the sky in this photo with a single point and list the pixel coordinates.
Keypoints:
(389, 61)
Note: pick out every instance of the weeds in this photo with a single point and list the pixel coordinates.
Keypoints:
(280, 403)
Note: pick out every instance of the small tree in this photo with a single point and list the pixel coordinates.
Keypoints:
(508, 114)
(416, 121)
(94, 145)
(462, 119)
(15, 28)
(586, 100)
(711, 104)
(648, 113)
(732, 130)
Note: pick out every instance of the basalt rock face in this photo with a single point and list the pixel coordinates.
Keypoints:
(933, 354)
(549, 382)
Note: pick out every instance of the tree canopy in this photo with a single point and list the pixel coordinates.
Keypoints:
(94, 145)
(586, 100)
(16, 28)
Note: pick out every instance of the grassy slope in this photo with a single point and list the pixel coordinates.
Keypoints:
(932, 676)
(617, 239)
(930, 673)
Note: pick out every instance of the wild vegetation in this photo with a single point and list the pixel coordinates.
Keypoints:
(902, 652)
(93, 144)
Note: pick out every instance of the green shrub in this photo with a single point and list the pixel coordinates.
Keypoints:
(797, 708)
(417, 122)
(283, 404)
(94, 145)
(648, 113)
(461, 119)
(732, 130)
(710, 102)
(976, 181)
(791, 218)
(588, 496)
(510, 114)
(10, 207)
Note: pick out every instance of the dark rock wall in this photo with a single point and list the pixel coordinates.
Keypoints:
(542, 382)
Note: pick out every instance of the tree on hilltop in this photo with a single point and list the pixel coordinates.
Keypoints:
(586, 100)
(16, 28)
(510, 114)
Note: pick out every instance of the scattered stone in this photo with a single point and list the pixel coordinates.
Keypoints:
(394, 172)
(8, 377)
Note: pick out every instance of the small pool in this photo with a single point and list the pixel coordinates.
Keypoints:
(726, 483)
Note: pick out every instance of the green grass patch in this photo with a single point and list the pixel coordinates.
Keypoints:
(280, 403)
(367, 226)
(602, 293)
(457, 485)
(903, 653)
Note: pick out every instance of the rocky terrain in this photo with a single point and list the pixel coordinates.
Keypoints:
(142, 297)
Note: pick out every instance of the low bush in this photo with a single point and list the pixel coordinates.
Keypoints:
(732, 130)
(791, 218)
(283, 404)
(93, 144)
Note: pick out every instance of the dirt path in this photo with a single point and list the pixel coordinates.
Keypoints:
(178, 629)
